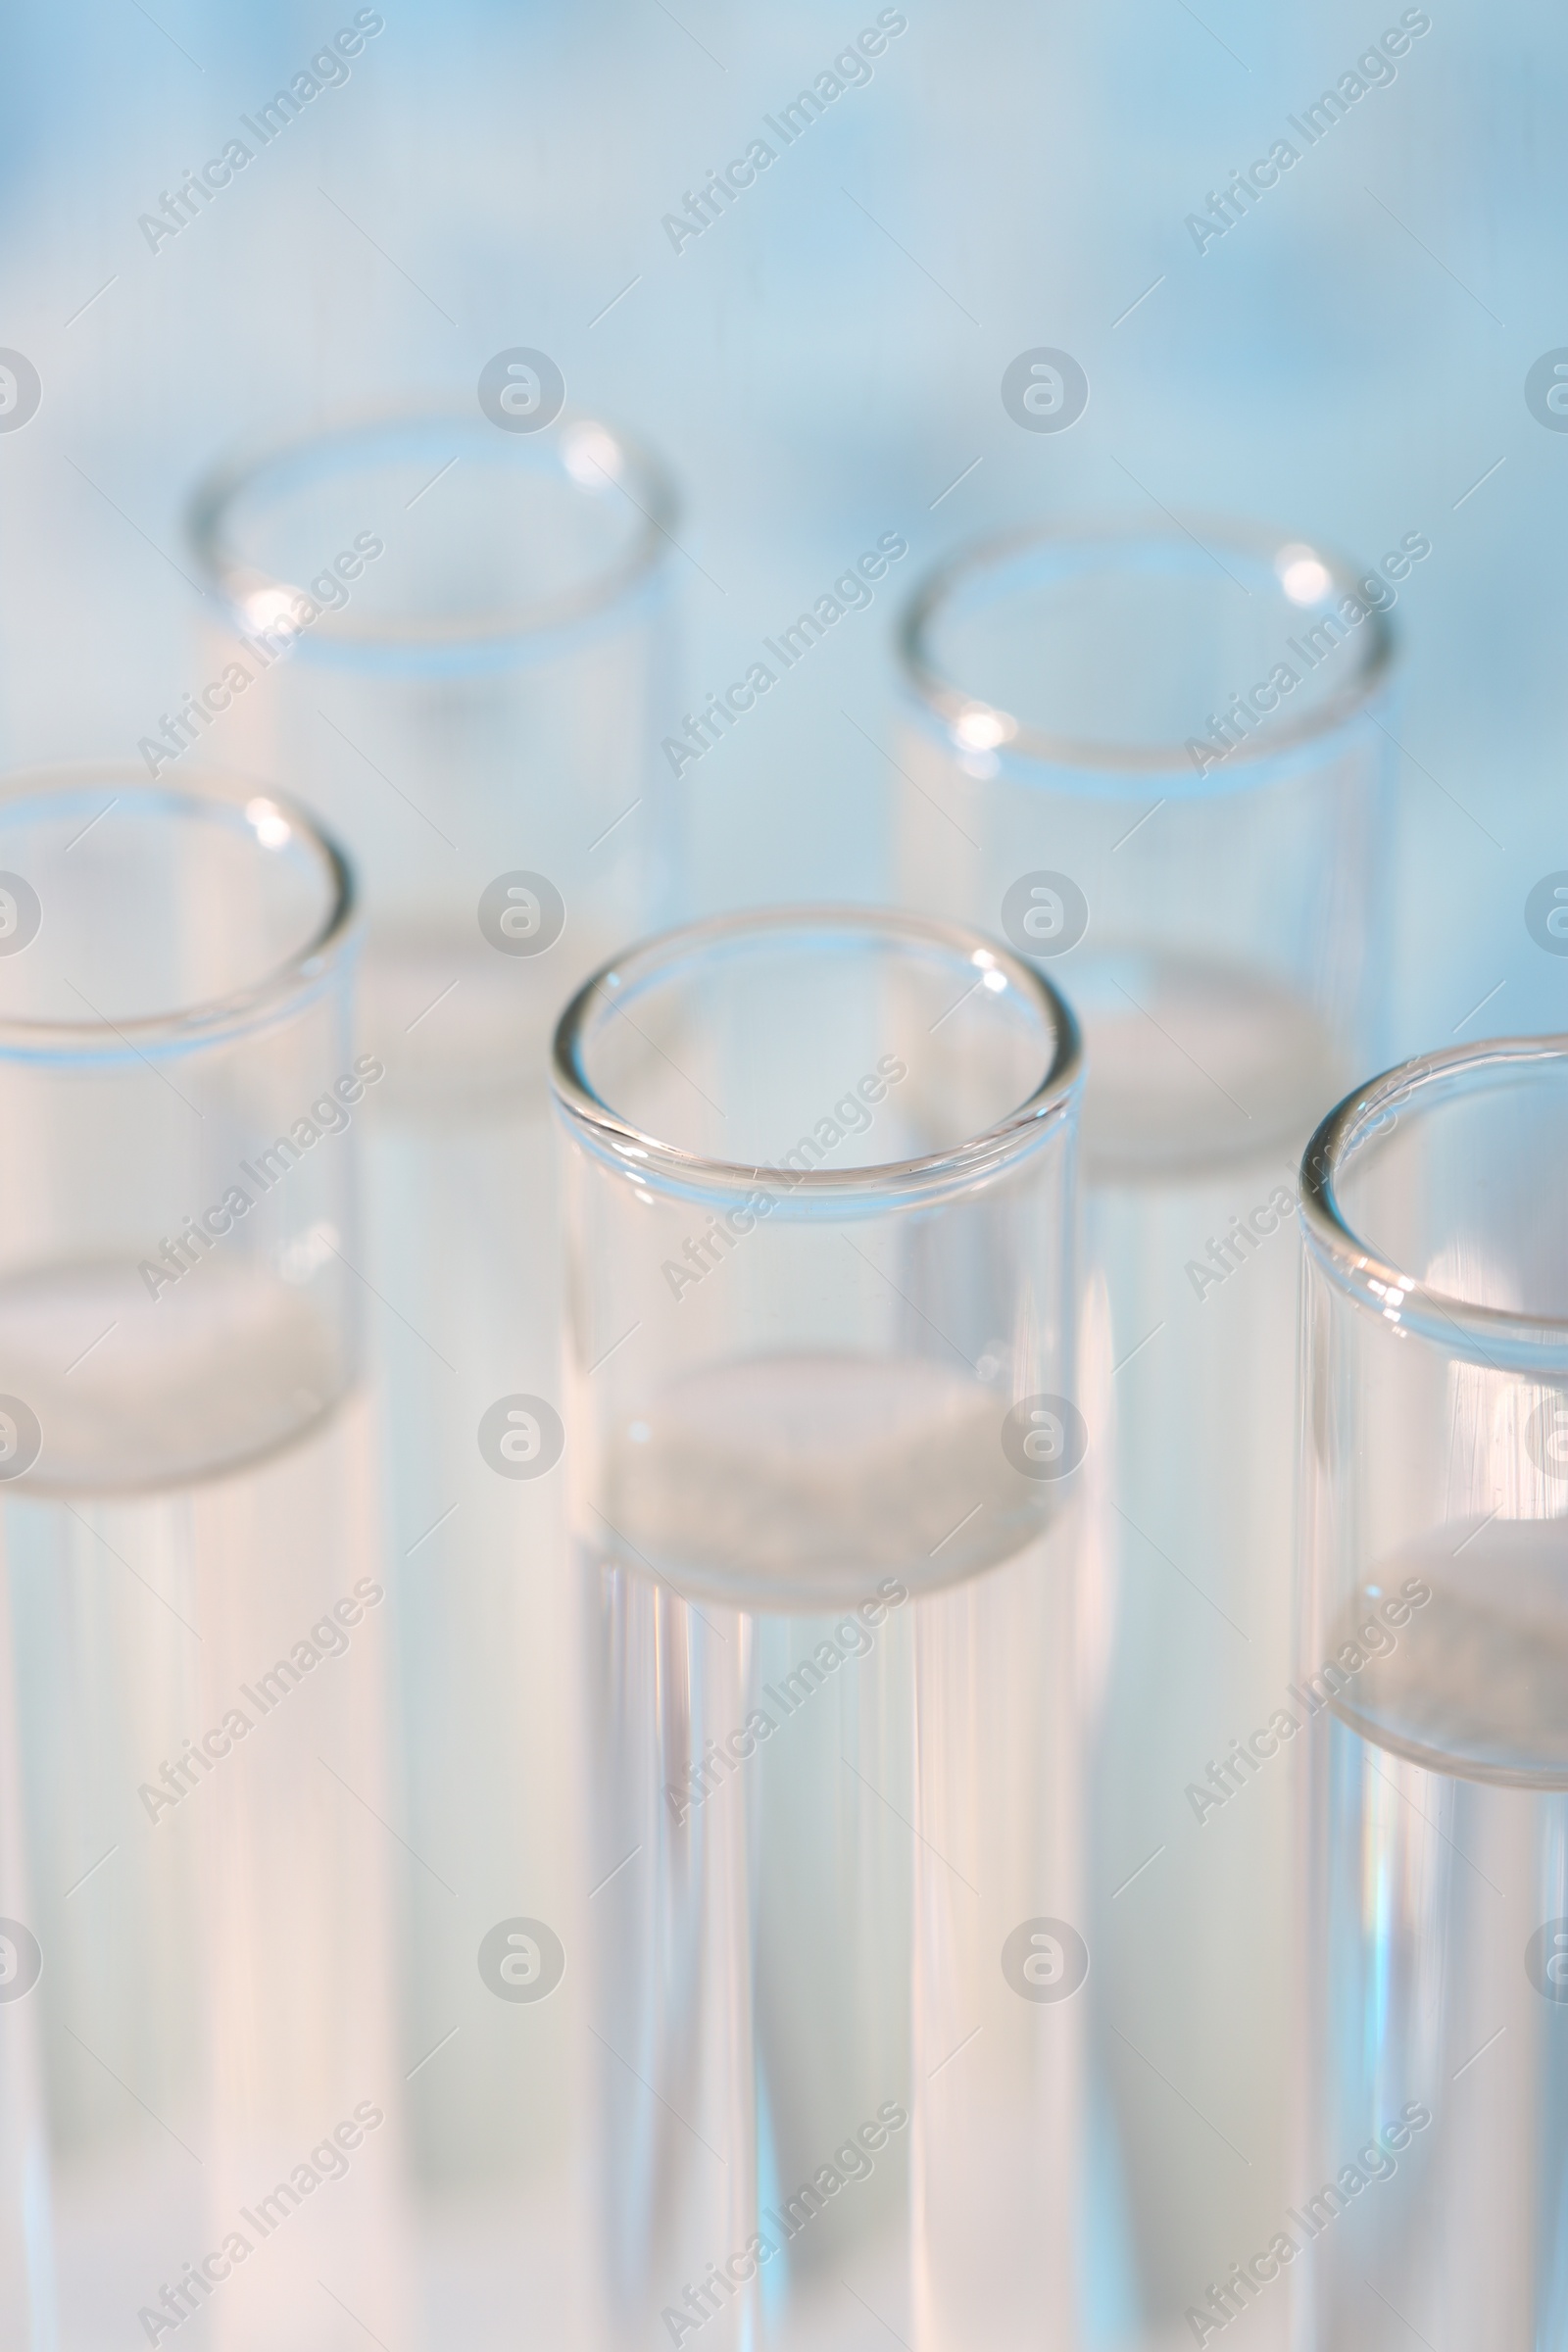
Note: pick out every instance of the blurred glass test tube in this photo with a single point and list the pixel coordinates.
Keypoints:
(456, 624)
(1431, 2197)
(188, 1517)
(822, 1448)
(1153, 761)
(27, 2295)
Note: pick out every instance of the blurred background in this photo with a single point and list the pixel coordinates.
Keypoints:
(823, 364)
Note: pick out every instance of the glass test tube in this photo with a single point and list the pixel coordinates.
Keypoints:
(449, 633)
(1153, 760)
(462, 683)
(187, 1515)
(28, 2315)
(1431, 2190)
(822, 1443)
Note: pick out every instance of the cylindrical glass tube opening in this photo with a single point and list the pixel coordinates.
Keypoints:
(447, 633)
(1106, 648)
(752, 1089)
(451, 629)
(1438, 1424)
(174, 1067)
(196, 911)
(763, 1002)
(1423, 1196)
(1432, 1702)
(535, 533)
(188, 1548)
(821, 1436)
(1151, 757)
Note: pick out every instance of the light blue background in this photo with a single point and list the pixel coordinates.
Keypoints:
(823, 361)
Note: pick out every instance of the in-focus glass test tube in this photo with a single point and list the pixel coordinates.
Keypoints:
(472, 710)
(188, 1519)
(1153, 761)
(824, 1458)
(1431, 2190)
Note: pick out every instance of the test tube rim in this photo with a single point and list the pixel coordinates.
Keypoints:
(510, 631)
(275, 995)
(922, 1180)
(1503, 1338)
(945, 702)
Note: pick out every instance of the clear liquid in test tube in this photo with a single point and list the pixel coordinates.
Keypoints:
(1432, 2170)
(1152, 758)
(456, 622)
(824, 1487)
(191, 1550)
